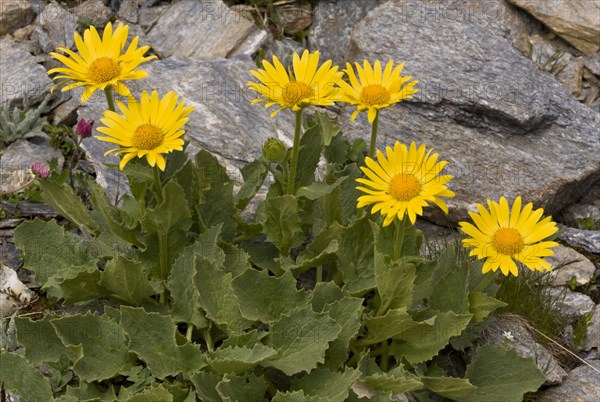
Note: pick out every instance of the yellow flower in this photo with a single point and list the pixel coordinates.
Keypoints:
(375, 89)
(100, 62)
(307, 85)
(148, 128)
(501, 236)
(404, 182)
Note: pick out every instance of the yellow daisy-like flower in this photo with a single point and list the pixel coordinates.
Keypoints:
(100, 62)
(147, 128)
(404, 182)
(502, 235)
(309, 84)
(375, 88)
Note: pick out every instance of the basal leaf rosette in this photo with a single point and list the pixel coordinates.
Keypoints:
(502, 235)
(100, 62)
(376, 88)
(403, 182)
(150, 128)
(307, 83)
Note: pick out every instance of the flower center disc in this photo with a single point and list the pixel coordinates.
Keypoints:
(404, 187)
(294, 92)
(508, 241)
(147, 137)
(374, 94)
(103, 70)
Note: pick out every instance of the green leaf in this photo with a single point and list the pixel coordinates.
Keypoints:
(501, 374)
(322, 249)
(450, 387)
(99, 342)
(329, 127)
(83, 287)
(296, 396)
(238, 359)
(152, 337)
(349, 194)
(247, 387)
(170, 215)
(217, 204)
(62, 198)
(451, 291)
(396, 381)
(254, 174)
(301, 339)
(217, 297)
(317, 190)
(393, 324)
(282, 223)
(158, 393)
(326, 384)
(40, 340)
(325, 293)
(110, 214)
(308, 156)
(52, 254)
(346, 312)
(425, 340)
(127, 280)
(206, 383)
(395, 283)
(266, 298)
(481, 305)
(355, 257)
(22, 379)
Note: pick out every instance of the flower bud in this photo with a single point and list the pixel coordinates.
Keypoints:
(84, 128)
(39, 170)
(274, 150)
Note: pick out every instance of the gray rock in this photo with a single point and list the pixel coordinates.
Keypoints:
(54, 27)
(576, 21)
(588, 240)
(15, 14)
(580, 213)
(593, 64)
(21, 76)
(147, 16)
(573, 304)
(544, 54)
(593, 331)
(571, 75)
(282, 48)
(128, 11)
(224, 121)
(13, 293)
(203, 30)
(95, 11)
(570, 264)
(294, 17)
(580, 386)
(251, 45)
(332, 25)
(524, 343)
(16, 161)
(506, 127)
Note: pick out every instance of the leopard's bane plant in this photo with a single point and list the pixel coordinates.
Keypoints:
(403, 182)
(100, 63)
(375, 88)
(306, 84)
(148, 128)
(502, 235)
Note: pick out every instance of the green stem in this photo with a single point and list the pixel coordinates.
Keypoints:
(398, 239)
(163, 258)
(374, 135)
(157, 184)
(385, 355)
(208, 339)
(291, 188)
(319, 274)
(486, 281)
(188, 332)
(109, 98)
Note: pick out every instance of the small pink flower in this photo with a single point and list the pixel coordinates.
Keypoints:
(40, 170)
(84, 128)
